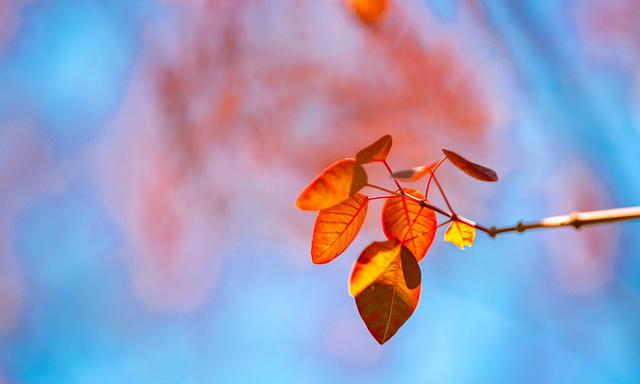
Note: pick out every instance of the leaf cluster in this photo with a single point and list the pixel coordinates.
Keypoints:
(386, 279)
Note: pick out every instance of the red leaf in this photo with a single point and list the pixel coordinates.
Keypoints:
(335, 184)
(474, 170)
(371, 263)
(397, 215)
(410, 268)
(336, 227)
(387, 303)
(377, 151)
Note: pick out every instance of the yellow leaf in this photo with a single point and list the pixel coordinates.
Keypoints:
(460, 234)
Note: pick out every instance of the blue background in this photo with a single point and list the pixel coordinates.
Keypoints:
(503, 311)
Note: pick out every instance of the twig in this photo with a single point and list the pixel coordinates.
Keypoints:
(575, 219)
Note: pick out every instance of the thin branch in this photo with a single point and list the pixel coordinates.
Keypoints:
(575, 219)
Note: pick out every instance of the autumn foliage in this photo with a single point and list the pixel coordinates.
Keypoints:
(386, 278)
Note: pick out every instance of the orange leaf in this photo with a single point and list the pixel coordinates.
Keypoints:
(460, 234)
(397, 215)
(415, 173)
(387, 303)
(371, 263)
(335, 184)
(474, 170)
(410, 268)
(336, 227)
(369, 11)
(377, 151)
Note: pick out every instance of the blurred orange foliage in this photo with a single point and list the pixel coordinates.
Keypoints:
(369, 11)
(254, 83)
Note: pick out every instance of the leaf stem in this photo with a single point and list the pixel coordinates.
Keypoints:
(383, 197)
(381, 189)
(391, 174)
(432, 175)
(444, 195)
(444, 223)
(422, 202)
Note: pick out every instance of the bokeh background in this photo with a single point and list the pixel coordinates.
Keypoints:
(151, 152)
